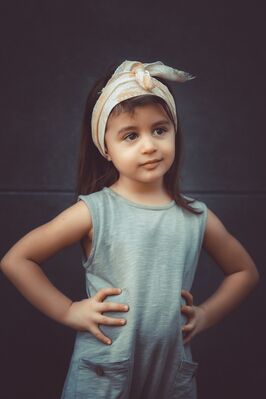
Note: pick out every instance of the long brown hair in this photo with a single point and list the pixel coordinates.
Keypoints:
(95, 172)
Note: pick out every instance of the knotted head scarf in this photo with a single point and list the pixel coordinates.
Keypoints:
(131, 79)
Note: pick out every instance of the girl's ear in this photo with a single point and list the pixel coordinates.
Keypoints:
(107, 155)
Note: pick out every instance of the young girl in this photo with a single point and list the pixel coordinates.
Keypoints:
(141, 240)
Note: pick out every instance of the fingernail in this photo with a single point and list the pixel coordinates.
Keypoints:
(108, 342)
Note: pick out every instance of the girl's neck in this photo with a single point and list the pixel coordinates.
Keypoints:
(154, 197)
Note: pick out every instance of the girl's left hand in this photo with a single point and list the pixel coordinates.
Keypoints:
(196, 317)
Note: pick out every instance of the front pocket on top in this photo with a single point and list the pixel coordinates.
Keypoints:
(184, 385)
(102, 380)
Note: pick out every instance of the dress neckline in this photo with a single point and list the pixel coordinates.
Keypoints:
(138, 204)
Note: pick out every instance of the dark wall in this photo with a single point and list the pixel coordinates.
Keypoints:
(51, 54)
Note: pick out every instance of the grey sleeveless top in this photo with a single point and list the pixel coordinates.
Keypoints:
(150, 252)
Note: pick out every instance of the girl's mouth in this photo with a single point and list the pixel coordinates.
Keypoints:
(151, 165)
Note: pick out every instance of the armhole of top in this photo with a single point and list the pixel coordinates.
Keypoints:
(89, 203)
(200, 205)
(204, 216)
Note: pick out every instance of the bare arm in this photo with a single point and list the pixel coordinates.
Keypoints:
(237, 265)
(21, 264)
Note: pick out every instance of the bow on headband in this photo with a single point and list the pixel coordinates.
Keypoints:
(143, 72)
(131, 79)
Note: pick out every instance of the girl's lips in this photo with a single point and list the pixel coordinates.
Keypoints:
(151, 165)
(152, 161)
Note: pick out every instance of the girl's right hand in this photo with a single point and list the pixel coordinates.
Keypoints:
(87, 314)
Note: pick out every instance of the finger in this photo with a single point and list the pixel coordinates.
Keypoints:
(188, 296)
(104, 292)
(111, 320)
(188, 327)
(100, 336)
(188, 310)
(188, 337)
(112, 306)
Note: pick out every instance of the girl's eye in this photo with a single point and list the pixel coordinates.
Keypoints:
(162, 129)
(132, 134)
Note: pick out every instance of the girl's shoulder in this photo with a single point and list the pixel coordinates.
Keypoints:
(92, 199)
(94, 195)
(196, 203)
(94, 202)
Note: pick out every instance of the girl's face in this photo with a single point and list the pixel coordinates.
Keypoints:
(133, 140)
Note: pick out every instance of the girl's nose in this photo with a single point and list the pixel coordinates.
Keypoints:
(148, 144)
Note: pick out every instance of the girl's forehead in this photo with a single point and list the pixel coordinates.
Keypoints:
(142, 111)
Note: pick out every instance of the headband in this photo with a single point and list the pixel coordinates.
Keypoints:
(131, 79)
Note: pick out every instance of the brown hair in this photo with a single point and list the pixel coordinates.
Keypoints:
(95, 172)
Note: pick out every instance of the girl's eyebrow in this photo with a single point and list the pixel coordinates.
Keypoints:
(160, 122)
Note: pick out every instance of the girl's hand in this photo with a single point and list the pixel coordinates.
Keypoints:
(196, 317)
(86, 314)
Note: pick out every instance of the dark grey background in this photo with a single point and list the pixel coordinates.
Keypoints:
(51, 52)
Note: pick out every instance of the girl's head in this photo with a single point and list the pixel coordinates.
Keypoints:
(106, 152)
(137, 133)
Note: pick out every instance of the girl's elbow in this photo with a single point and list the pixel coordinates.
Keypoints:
(255, 272)
(4, 264)
(251, 271)
(257, 277)
(254, 275)
(7, 262)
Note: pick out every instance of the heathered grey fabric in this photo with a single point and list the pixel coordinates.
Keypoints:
(150, 252)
